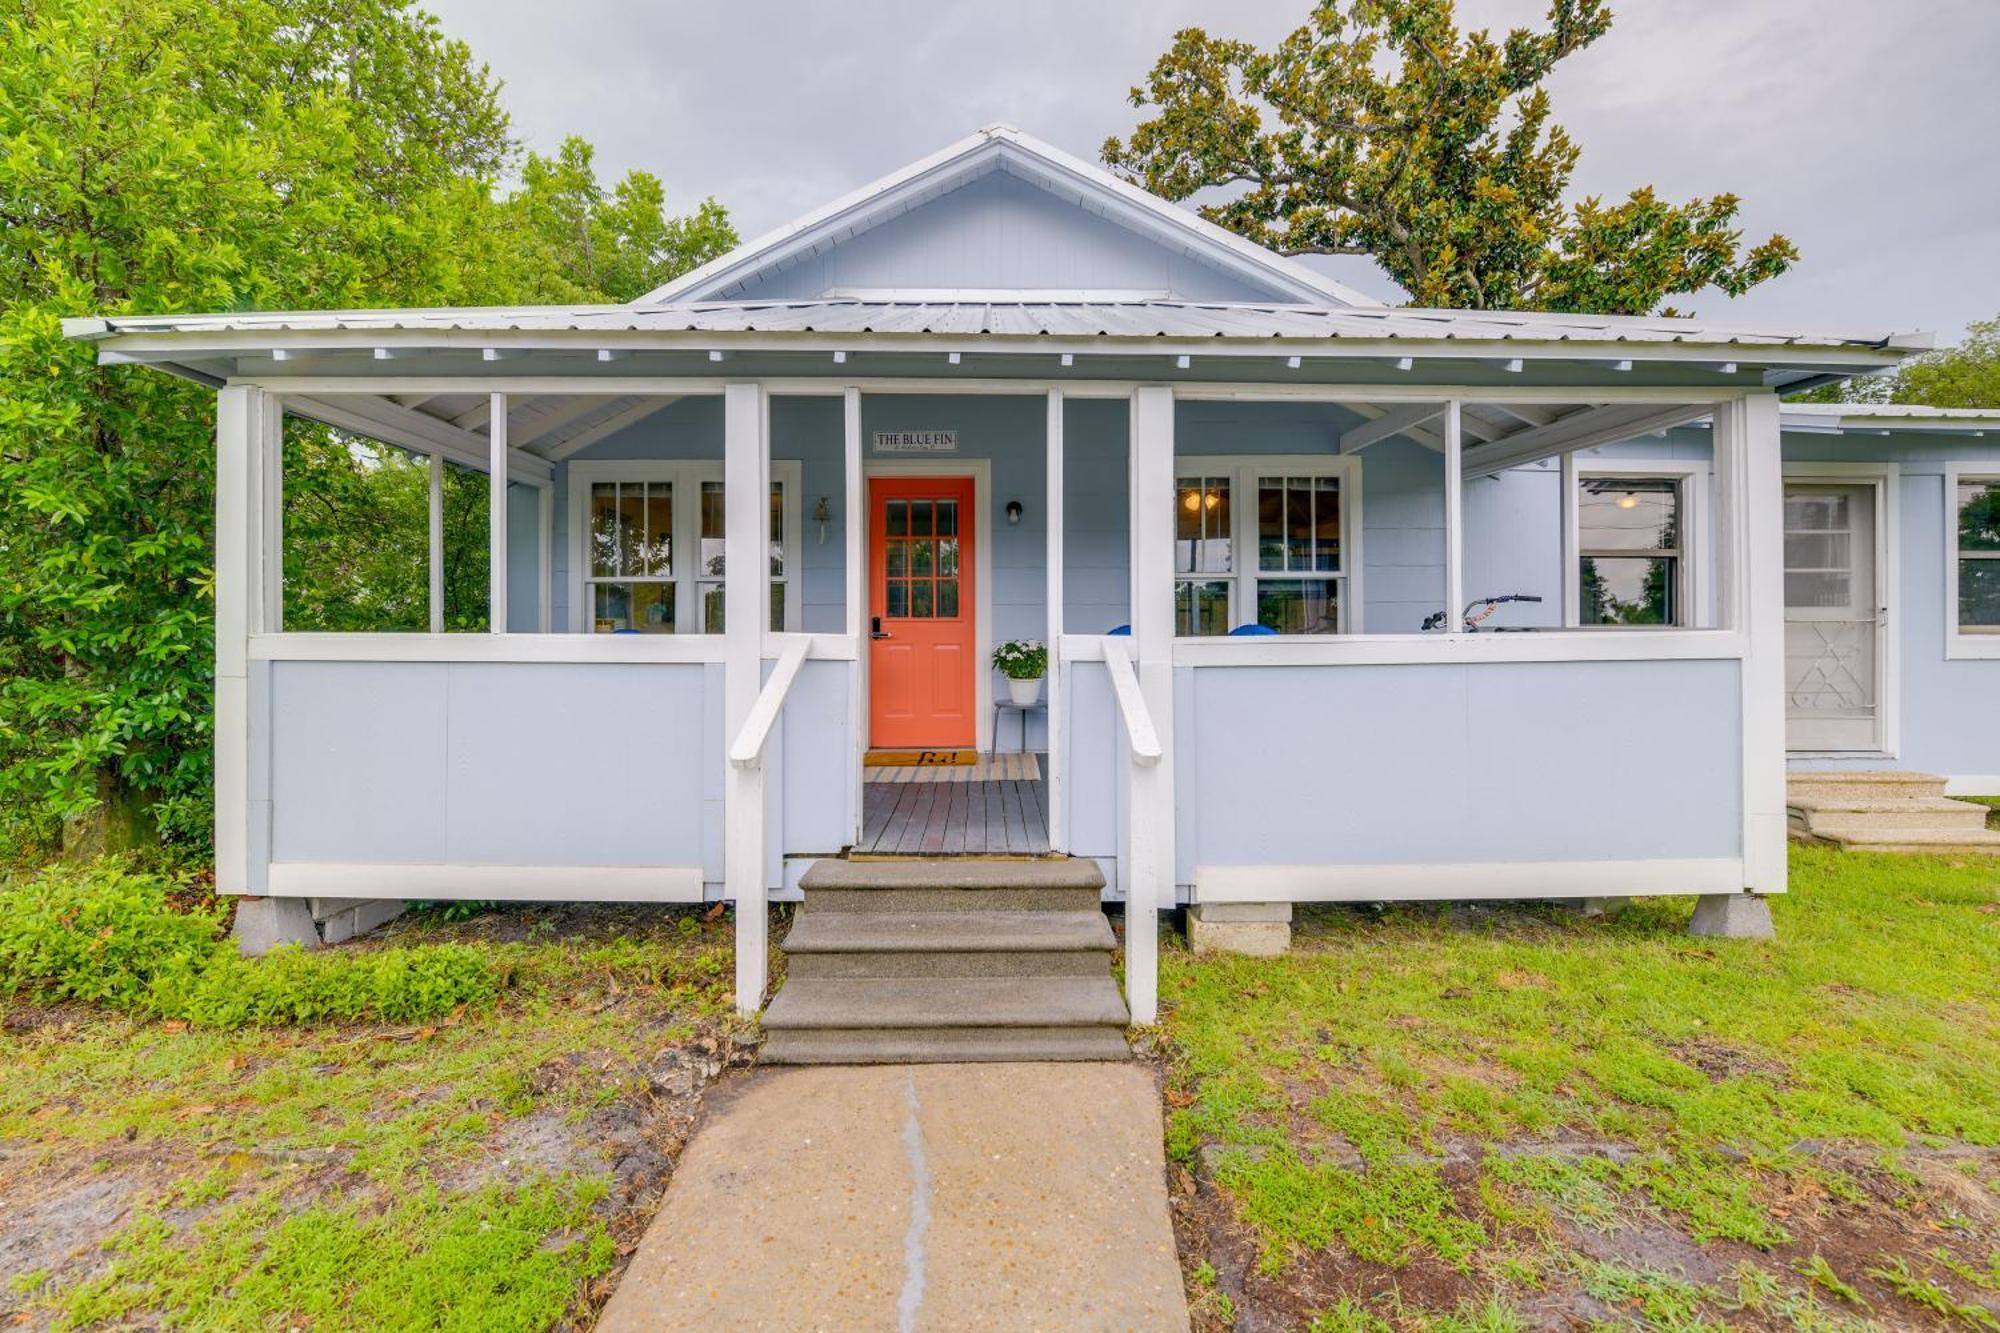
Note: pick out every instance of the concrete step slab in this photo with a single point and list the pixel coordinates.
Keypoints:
(900, 901)
(1863, 784)
(882, 1046)
(1921, 843)
(820, 932)
(963, 1002)
(913, 963)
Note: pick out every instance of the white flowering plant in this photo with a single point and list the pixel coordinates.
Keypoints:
(1022, 659)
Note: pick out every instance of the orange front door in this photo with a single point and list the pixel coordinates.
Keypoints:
(920, 653)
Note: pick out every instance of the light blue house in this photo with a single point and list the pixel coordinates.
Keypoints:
(773, 518)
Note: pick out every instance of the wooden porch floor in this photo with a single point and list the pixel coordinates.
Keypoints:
(955, 818)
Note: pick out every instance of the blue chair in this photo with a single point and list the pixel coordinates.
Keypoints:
(1250, 631)
(1125, 630)
(625, 631)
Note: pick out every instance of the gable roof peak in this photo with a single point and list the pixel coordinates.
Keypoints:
(996, 146)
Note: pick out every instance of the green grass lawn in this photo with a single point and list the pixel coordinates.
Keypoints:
(486, 1171)
(1514, 1117)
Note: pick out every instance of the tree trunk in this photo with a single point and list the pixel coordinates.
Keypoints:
(121, 821)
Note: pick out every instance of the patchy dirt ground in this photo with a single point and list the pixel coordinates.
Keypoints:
(335, 1176)
(1513, 1118)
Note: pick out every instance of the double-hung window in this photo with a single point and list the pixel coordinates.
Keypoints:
(1264, 541)
(1632, 548)
(1975, 554)
(646, 546)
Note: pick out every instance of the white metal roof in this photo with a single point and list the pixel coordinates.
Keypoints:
(1839, 417)
(1026, 319)
(1003, 147)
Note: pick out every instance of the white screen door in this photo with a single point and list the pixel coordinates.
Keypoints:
(1833, 619)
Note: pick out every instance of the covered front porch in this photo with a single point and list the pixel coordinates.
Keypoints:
(1251, 564)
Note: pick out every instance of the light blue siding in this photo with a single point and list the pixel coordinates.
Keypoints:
(999, 231)
(488, 763)
(1950, 721)
(1397, 765)
(524, 556)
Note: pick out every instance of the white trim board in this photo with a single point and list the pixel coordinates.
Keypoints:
(981, 472)
(1958, 645)
(370, 879)
(1466, 880)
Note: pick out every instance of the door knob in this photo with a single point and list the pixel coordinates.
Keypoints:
(875, 629)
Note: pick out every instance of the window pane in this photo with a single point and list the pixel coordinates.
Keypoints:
(897, 519)
(1629, 590)
(646, 607)
(603, 528)
(656, 543)
(1298, 606)
(898, 598)
(1979, 516)
(921, 558)
(1201, 607)
(1806, 588)
(712, 523)
(1326, 524)
(712, 602)
(920, 599)
(1979, 594)
(947, 555)
(947, 598)
(947, 518)
(778, 529)
(611, 607)
(1628, 514)
(631, 525)
(1202, 526)
(1817, 511)
(920, 518)
(777, 607)
(1816, 550)
(899, 559)
(1270, 523)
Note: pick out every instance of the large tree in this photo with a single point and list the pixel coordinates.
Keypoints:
(1379, 129)
(171, 155)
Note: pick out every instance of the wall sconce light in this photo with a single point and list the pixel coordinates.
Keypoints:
(1013, 513)
(820, 517)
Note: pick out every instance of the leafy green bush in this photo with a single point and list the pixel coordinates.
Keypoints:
(108, 935)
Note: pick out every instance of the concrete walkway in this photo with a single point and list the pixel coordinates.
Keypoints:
(992, 1197)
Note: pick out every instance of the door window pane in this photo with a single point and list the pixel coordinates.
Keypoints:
(920, 599)
(898, 598)
(897, 519)
(1630, 590)
(947, 599)
(1808, 589)
(947, 518)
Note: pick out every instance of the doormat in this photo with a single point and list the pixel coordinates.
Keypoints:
(1011, 767)
(918, 758)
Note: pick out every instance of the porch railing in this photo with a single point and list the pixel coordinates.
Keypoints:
(1139, 731)
(748, 749)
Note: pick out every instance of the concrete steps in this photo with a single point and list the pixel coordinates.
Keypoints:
(1886, 812)
(948, 960)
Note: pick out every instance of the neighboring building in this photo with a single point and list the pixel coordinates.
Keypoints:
(1002, 394)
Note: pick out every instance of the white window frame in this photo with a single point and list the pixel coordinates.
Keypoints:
(686, 477)
(1959, 642)
(1695, 585)
(1242, 472)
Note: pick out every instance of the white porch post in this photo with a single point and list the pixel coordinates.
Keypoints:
(545, 537)
(1750, 470)
(1149, 825)
(1053, 559)
(746, 519)
(854, 499)
(1454, 517)
(1572, 582)
(437, 543)
(496, 516)
(248, 432)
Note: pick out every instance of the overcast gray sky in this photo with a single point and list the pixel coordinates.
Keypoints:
(1863, 129)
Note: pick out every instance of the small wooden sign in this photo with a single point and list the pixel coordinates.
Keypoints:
(916, 441)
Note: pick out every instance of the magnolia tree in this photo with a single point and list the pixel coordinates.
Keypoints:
(1379, 129)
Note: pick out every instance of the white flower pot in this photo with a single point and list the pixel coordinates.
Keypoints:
(1024, 692)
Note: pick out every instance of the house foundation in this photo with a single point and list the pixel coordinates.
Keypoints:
(262, 924)
(1733, 916)
(1261, 930)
